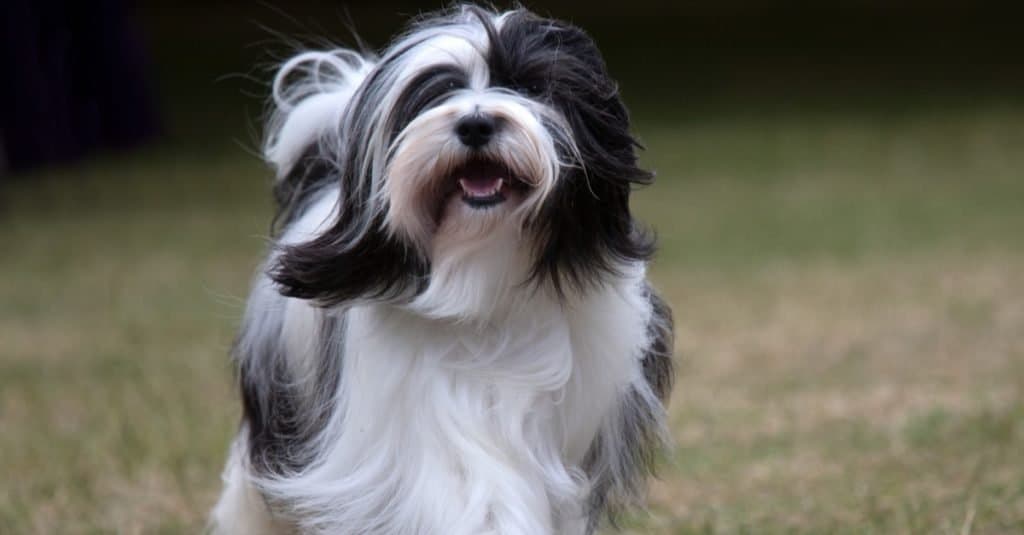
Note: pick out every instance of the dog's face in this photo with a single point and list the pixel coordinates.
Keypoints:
(477, 132)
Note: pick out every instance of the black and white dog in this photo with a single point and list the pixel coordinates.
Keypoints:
(453, 333)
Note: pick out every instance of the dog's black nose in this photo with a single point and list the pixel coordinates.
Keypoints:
(476, 130)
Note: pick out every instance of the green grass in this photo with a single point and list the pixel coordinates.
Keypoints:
(848, 290)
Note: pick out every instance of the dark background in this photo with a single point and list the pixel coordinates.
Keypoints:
(674, 60)
(87, 75)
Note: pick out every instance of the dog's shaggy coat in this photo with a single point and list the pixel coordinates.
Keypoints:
(453, 333)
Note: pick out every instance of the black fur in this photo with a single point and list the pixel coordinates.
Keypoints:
(657, 361)
(586, 226)
(310, 173)
(331, 269)
(280, 420)
(427, 89)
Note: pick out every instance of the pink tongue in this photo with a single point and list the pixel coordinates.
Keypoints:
(481, 186)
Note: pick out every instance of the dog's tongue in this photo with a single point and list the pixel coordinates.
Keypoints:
(482, 179)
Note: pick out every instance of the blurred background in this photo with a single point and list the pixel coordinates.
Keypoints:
(840, 205)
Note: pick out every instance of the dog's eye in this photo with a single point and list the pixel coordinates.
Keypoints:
(452, 85)
(532, 89)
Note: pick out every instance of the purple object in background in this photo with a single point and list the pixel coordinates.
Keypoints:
(75, 81)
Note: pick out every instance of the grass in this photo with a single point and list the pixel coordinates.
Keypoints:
(849, 296)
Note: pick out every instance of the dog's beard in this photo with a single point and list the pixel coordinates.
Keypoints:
(437, 186)
(469, 209)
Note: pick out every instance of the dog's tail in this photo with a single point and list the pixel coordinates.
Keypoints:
(309, 96)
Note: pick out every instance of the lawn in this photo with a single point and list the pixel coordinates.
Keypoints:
(849, 298)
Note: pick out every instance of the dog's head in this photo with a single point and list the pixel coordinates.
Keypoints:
(478, 141)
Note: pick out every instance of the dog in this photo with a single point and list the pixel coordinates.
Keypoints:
(453, 332)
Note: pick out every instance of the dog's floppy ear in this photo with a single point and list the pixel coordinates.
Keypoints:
(586, 227)
(315, 141)
(353, 259)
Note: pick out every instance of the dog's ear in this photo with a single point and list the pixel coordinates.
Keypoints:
(317, 139)
(355, 258)
(589, 99)
(586, 227)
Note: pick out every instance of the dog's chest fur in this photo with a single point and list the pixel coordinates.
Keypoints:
(473, 428)
(405, 420)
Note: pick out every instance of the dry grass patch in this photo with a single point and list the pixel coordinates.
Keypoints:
(884, 396)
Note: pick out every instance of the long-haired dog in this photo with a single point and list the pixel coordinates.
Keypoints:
(453, 333)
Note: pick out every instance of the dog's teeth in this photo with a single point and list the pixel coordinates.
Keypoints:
(496, 188)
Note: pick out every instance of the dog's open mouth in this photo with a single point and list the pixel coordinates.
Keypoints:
(485, 183)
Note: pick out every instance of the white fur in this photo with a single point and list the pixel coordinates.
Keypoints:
(241, 508)
(313, 108)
